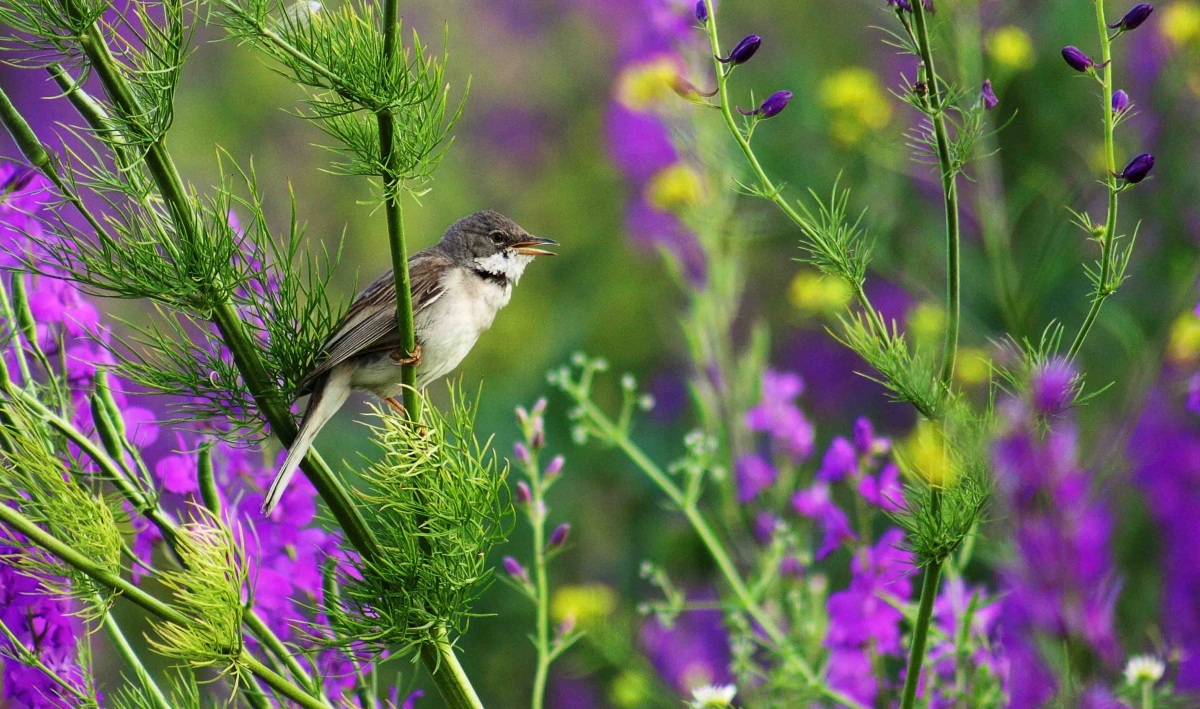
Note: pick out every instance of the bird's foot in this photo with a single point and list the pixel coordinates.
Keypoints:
(413, 358)
(396, 405)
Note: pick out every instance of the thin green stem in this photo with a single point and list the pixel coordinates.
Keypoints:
(1108, 237)
(916, 653)
(126, 651)
(28, 657)
(278, 683)
(1147, 694)
(716, 549)
(537, 521)
(949, 193)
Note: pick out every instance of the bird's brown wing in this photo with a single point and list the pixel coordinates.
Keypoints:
(370, 323)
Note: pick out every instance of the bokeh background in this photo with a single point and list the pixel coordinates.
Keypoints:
(547, 137)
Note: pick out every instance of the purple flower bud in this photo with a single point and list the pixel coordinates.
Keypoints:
(1052, 387)
(743, 51)
(554, 467)
(988, 96)
(539, 407)
(772, 106)
(559, 536)
(1134, 18)
(701, 11)
(18, 180)
(1077, 59)
(523, 494)
(1137, 169)
(1120, 101)
(902, 4)
(538, 439)
(514, 569)
(520, 452)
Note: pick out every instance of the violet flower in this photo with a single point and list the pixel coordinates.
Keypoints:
(701, 11)
(514, 569)
(1053, 386)
(817, 504)
(752, 474)
(771, 107)
(1120, 101)
(1076, 59)
(1134, 18)
(559, 536)
(523, 494)
(1137, 169)
(744, 50)
(777, 414)
(987, 96)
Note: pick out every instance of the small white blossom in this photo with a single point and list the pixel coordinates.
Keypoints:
(1143, 669)
(712, 696)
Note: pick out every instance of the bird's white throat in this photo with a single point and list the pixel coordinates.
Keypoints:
(508, 265)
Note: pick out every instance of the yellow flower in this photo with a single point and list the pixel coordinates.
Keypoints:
(630, 689)
(647, 84)
(1184, 345)
(1011, 48)
(973, 366)
(1180, 22)
(674, 187)
(814, 293)
(926, 321)
(857, 104)
(589, 604)
(923, 454)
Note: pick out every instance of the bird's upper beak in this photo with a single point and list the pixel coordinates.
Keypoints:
(528, 247)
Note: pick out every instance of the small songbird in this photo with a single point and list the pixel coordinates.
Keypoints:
(458, 286)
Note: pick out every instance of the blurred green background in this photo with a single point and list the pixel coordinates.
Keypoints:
(534, 144)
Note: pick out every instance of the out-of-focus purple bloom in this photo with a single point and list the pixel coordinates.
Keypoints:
(849, 668)
(778, 415)
(765, 525)
(554, 467)
(884, 490)
(701, 11)
(694, 651)
(514, 569)
(744, 50)
(1137, 169)
(772, 106)
(523, 494)
(841, 459)
(752, 474)
(1193, 397)
(1052, 386)
(559, 536)
(988, 96)
(1076, 59)
(1120, 101)
(1134, 18)
(816, 504)
(521, 453)
(907, 6)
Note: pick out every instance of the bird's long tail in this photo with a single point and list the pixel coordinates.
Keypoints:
(326, 399)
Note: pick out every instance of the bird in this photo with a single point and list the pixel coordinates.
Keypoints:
(458, 286)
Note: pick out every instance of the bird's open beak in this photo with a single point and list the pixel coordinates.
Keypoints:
(529, 246)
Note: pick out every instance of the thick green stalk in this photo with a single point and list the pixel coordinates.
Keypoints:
(126, 651)
(916, 653)
(949, 193)
(716, 549)
(1107, 239)
(447, 673)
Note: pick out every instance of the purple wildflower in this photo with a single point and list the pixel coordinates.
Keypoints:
(816, 503)
(883, 491)
(987, 96)
(1076, 59)
(701, 11)
(693, 651)
(744, 50)
(1053, 386)
(521, 453)
(771, 107)
(523, 495)
(841, 459)
(1134, 18)
(752, 474)
(778, 415)
(1137, 169)
(514, 569)
(554, 467)
(1120, 101)
(559, 536)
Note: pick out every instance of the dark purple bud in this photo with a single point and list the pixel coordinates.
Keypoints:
(988, 96)
(523, 494)
(774, 104)
(514, 569)
(1137, 169)
(1077, 59)
(559, 536)
(538, 439)
(743, 51)
(701, 11)
(1134, 18)
(19, 180)
(554, 467)
(902, 4)
(520, 452)
(1120, 101)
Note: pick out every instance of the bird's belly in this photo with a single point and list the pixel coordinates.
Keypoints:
(449, 328)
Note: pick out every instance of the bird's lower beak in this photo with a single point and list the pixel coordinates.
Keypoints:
(529, 246)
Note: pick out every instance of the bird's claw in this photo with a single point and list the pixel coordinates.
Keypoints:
(396, 405)
(413, 358)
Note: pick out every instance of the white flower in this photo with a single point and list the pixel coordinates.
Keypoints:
(1143, 668)
(711, 696)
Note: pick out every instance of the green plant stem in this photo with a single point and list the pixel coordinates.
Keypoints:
(126, 651)
(1108, 237)
(916, 653)
(537, 514)
(949, 194)
(715, 548)
(102, 575)
(26, 656)
(447, 673)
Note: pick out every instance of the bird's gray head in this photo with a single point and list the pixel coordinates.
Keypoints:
(493, 246)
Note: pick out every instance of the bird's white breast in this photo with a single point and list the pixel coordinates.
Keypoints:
(451, 325)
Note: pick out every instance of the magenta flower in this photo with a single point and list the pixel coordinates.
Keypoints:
(514, 569)
(559, 536)
(987, 96)
(777, 415)
(816, 504)
(752, 474)
(884, 490)
(1053, 386)
(523, 495)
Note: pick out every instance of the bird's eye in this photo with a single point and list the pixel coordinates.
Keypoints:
(498, 237)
